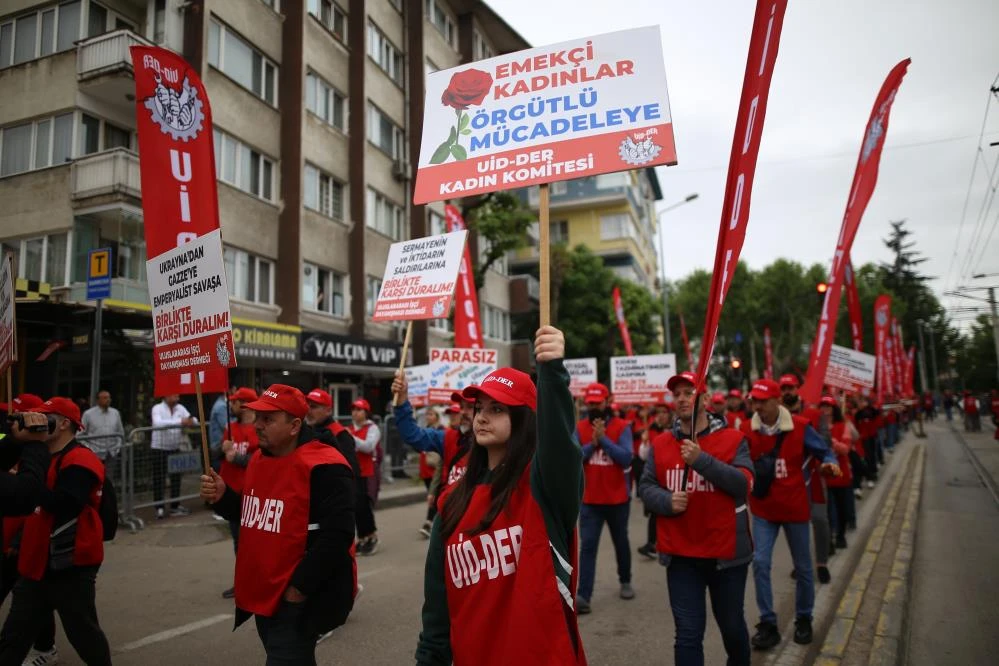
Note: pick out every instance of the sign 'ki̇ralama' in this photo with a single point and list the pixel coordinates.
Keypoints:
(580, 108)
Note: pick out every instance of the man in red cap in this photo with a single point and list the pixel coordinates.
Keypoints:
(607, 453)
(735, 408)
(62, 545)
(779, 444)
(366, 438)
(696, 487)
(294, 570)
(451, 444)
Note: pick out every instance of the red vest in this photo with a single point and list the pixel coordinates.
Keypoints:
(502, 592)
(845, 479)
(274, 523)
(245, 440)
(707, 528)
(970, 405)
(366, 461)
(454, 466)
(33, 558)
(787, 501)
(734, 419)
(605, 481)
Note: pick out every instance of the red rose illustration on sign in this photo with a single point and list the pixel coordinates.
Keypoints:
(467, 88)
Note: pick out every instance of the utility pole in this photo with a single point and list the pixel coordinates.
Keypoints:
(662, 268)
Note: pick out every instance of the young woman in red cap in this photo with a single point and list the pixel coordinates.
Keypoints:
(501, 562)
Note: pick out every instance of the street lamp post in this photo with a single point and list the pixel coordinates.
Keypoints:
(662, 267)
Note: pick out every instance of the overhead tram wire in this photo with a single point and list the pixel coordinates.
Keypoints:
(985, 245)
(980, 219)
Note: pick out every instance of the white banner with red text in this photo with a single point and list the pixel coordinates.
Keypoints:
(454, 369)
(418, 381)
(850, 370)
(582, 373)
(420, 277)
(641, 380)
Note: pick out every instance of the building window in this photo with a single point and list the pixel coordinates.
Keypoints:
(36, 145)
(331, 16)
(101, 20)
(617, 226)
(609, 181)
(481, 50)
(325, 101)
(384, 216)
(323, 193)
(39, 33)
(323, 290)
(250, 278)
(397, 4)
(437, 223)
(44, 258)
(231, 54)
(159, 21)
(495, 323)
(443, 21)
(273, 4)
(385, 134)
(559, 188)
(429, 67)
(242, 167)
(442, 325)
(374, 287)
(384, 53)
(117, 228)
(559, 232)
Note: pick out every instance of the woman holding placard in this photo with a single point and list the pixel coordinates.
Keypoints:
(501, 562)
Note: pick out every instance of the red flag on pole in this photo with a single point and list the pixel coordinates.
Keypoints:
(768, 355)
(910, 371)
(882, 316)
(864, 179)
(177, 170)
(853, 306)
(622, 323)
(899, 358)
(467, 323)
(686, 343)
(760, 63)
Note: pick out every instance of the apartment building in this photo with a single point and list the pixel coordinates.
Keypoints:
(317, 108)
(612, 214)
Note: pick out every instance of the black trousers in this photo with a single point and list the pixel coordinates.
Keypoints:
(286, 638)
(840, 498)
(871, 458)
(45, 639)
(71, 593)
(364, 511)
(431, 509)
(159, 474)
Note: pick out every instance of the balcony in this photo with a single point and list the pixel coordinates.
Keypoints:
(113, 174)
(104, 65)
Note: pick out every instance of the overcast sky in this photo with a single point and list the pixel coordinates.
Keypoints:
(833, 59)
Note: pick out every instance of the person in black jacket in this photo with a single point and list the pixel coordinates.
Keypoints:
(20, 493)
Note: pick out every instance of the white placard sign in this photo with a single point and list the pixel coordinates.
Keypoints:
(418, 379)
(454, 369)
(420, 277)
(850, 370)
(641, 380)
(582, 372)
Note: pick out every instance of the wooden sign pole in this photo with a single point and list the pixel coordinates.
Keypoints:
(205, 459)
(402, 361)
(544, 257)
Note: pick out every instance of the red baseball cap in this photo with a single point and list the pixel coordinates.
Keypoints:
(459, 398)
(244, 394)
(595, 392)
(827, 400)
(510, 387)
(281, 398)
(61, 406)
(717, 397)
(22, 403)
(361, 403)
(789, 380)
(684, 377)
(735, 393)
(453, 408)
(320, 397)
(764, 389)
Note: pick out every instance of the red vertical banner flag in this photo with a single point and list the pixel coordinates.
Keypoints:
(760, 62)
(467, 322)
(180, 208)
(686, 343)
(899, 358)
(622, 323)
(853, 306)
(882, 317)
(910, 371)
(768, 355)
(865, 177)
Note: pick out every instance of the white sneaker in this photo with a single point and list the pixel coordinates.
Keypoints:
(36, 658)
(858, 493)
(160, 513)
(870, 484)
(180, 510)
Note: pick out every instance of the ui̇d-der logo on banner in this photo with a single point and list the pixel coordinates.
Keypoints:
(178, 114)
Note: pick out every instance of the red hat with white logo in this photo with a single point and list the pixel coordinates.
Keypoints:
(281, 398)
(682, 378)
(60, 406)
(734, 393)
(244, 394)
(510, 387)
(361, 403)
(789, 380)
(764, 389)
(319, 397)
(827, 400)
(595, 392)
(22, 403)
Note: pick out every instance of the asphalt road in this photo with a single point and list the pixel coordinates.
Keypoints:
(159, 600)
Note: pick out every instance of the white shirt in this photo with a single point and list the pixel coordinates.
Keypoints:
(97, 421)
(168, 440)
(371, 438)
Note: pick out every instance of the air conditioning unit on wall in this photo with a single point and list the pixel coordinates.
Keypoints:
(400, 170)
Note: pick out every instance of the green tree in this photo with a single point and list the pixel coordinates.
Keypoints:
(501, 220)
